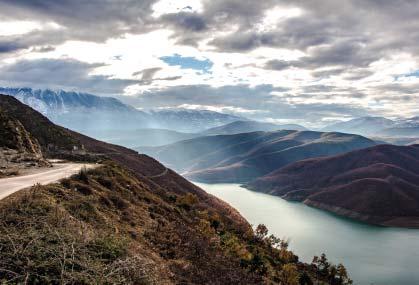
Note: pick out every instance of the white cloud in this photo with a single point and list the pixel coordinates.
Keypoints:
(14, 28)
(222, 109)
(175, 6)
(325, 56)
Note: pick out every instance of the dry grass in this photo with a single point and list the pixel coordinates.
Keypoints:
(106, 226)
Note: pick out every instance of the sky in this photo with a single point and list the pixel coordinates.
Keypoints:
(311, 62)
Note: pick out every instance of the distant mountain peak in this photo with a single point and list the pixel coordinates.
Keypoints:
(86, 112)
(53, 102)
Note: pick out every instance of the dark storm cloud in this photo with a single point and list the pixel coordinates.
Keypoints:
(66, 74)
(399, 88)
(332, 33)
(93, 20)
(341, 54)
(328, 72)
(276, 64)
(9, 46)
(36, 39)
(186, 21)
(147, 74)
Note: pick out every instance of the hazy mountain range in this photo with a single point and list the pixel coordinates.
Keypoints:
(96, 115)
(378, 126)
(109, 119)
(238, 127)
(89, 113)
(245, 156)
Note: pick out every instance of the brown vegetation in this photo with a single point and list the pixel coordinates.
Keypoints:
(131, 221)
(106, 226)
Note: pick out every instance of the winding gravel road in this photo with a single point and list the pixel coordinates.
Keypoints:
(11, 185)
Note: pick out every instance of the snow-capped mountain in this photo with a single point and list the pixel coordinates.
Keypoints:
(52, 103)
(89, 113)
(82, 112)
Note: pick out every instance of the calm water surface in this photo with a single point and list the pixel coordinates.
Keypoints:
(372, 254)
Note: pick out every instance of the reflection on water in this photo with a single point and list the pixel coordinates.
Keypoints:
(372, 254)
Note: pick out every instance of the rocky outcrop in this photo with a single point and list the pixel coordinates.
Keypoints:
(17, 146)
(15, 136)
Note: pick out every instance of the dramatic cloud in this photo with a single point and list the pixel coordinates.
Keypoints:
(308, 61)
(254, 102)
(65, 74)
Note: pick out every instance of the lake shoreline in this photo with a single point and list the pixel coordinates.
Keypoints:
(373, 254)
(395, 221)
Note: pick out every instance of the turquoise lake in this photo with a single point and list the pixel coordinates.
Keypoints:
(372, 254)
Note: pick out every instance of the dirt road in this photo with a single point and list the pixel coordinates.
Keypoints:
(11, 185)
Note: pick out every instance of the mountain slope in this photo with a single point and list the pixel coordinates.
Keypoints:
(399, 132)
(378, 184)
(15, 136)
(130, 221)
(49, 136)
(81, 111)
(243, 157)
(250, 126)
(191, 121)
(141, 137)
(18, 148)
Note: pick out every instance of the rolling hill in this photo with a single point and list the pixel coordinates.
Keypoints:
(363, 126)
(250, 126)
(243, 157)
(379, 184)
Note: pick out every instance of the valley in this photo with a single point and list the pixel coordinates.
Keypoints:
(128, 221)
(199, 142)
(345, 174)
(246, 156)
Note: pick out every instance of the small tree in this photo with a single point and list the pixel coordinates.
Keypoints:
(289, 275)
(261, 232)
(342, 274)
(323, 265)
(305, 279)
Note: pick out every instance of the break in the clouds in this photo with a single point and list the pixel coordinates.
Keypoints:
(308, 61)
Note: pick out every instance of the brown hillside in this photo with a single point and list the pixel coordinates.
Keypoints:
(378, 184)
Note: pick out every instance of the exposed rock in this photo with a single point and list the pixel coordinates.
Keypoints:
(18, 148)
